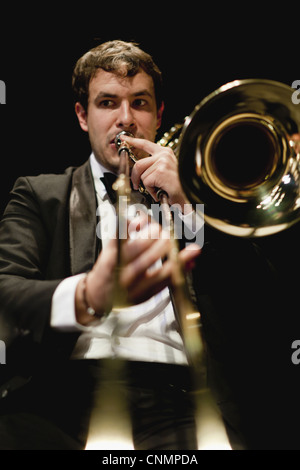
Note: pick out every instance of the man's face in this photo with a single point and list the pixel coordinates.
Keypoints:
(118, 104)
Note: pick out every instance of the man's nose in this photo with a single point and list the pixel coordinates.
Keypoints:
(125, 118)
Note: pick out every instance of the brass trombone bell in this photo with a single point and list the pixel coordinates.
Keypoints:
(238, 158)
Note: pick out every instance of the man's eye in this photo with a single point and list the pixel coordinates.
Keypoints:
(140, 102)
(106, 103)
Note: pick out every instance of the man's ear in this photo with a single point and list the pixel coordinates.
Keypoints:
(159, 115)
(82, 116)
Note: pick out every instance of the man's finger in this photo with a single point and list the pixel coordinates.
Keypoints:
(141, 144)
(157, 250)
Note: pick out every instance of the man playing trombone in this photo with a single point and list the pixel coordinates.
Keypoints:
(58, 314)
(57, 276)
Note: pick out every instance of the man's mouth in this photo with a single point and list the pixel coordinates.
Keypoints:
(115, 142)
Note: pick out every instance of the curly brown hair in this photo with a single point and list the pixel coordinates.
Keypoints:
(122, 58)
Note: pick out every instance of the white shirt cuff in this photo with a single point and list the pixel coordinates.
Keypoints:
(63, 315)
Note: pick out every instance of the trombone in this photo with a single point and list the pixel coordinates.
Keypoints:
(207, 416)
(239, 156)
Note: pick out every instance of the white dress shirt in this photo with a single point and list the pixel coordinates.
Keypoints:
(144, 332)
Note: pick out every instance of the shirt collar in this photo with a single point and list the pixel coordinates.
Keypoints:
(97, 171)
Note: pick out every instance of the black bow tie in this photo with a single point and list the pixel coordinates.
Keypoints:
(108, 180)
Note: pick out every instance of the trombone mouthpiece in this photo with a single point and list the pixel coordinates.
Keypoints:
(118, 141)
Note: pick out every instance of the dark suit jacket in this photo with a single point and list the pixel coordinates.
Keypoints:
(48, 233)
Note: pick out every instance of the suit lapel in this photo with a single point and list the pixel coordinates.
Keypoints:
(82, 220)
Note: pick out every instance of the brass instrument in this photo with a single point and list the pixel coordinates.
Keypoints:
(186, 315)
(239, 156)
(207, 415)
(110, 424)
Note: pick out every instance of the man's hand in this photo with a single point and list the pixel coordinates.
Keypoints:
(142, 275)
(158, 170)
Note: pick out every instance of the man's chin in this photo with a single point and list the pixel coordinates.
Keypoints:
(110, 162)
